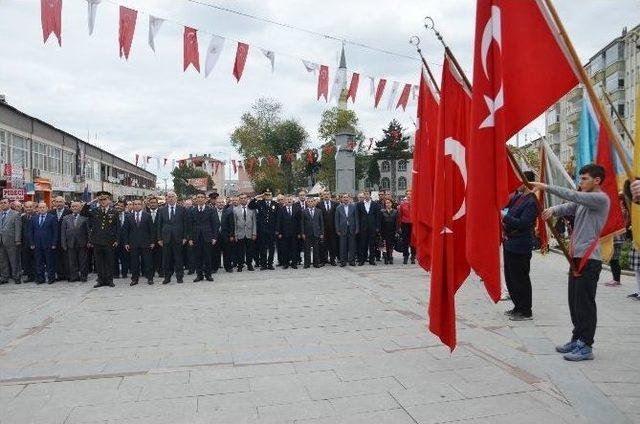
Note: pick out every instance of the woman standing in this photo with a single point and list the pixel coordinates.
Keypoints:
(388, 229)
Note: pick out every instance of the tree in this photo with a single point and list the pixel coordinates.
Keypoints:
(393, 146)
(264, 133)
(373, 173)
(182, 174)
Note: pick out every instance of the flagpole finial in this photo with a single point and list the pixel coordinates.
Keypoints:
(430, 25)
(415, 41)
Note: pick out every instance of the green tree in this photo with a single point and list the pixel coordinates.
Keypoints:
(262, 133)
(182, 174)
(373, 173)
(394, 147)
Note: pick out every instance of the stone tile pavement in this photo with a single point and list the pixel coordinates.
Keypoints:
(346, 345)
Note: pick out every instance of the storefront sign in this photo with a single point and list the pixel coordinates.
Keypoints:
(198, 183)
(13, 194)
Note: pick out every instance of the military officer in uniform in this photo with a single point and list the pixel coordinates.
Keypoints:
(103, 236)
(267, 210)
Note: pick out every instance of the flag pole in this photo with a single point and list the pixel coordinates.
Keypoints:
(415, 40)
(586, 81)
(429, 25)
(615, 111)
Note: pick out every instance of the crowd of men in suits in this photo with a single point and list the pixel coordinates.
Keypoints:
(198, 236)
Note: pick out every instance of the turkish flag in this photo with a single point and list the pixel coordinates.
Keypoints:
(127, 28)
(449, 267)
(323, 82)
(379, 90)
(604, 157)
(241, 58)
(404, 97)
(423, 163)
(353, 87)
(519, 70)
(190, 49)
(51, 18)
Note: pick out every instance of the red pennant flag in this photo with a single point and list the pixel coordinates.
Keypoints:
(241, 57)
(519, 70)
(404, 97)
(191, 54)
(353, 87)
(235, 167)
(379, 91)
(127, 28)
(449, 267)
(323, 82)
(423, 174)
(51, 18)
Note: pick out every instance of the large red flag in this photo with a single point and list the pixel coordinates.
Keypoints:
(520, 69)
(190, 48)
(323, 82)
(449, 267)
(423, 163)
(51, 18)
(241, 58)
(127, 28)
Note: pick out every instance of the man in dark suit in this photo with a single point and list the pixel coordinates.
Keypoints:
(227, 232)
(329, 245)
(369, 226)
(121, 261)
(204, 227)
(187, 249)
(346, 225)
(59, 211)
(288, 230)
(75, 238)
(300, 206)
(28, 259)
(44, 238)
(139, 240)
(103, 236)
(312, 230)
(222, 236)
(156, 251)
(172, 236)
(267, 211)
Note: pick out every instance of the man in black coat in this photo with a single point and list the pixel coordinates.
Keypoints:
(369, 221)
(103, 236)
(225, 229)
(227, 232)
(28, 259)
(156, 251)
(267, 211)
(300, 206)
(59, 211)
(140, 239)
(172, 236)
(312, 230)
(204, 228)
(121, 260)
(329, 244)
(288, 231)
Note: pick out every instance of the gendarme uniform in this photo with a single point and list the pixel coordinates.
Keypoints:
(103, 235)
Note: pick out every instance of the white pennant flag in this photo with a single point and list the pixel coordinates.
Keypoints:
(372, 85)
(173, 163)
(310, 66)
(414, 92)
(154, 28)
(92, 8)
(269, 54)
(158, 163)
(339, 82)
(213, 53)
(393, 94)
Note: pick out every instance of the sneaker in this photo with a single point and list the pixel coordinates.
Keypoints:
(582, 352)
(567, 347)
(634, 295)
(519, 316)
(612, 283)
(510, 312)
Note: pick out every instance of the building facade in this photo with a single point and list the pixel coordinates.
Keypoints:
(207, 163)
(614, 69)
(45, 161)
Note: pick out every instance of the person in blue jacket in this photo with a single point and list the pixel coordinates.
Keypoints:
(519, 220)
(44, 240)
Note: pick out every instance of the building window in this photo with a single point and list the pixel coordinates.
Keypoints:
(402, 183)
(19, 153)
(3, 147)
(402, 166)
(385, 184)
(68, 163)
(39, 155)
(386, 167)
(54, 160)
(88, 169)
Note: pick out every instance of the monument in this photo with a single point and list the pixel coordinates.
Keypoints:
(345, 140)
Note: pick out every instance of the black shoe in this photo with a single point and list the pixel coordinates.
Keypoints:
(239, 269)
(318, 266)
(343, 264)
(133, 282)
(391, 260)
(352, 263)
(405, 260)
(270, 267)
(413, 260)
(208, 277)
(198, 278)
(263, 268)
(361, 263)
(150, 282)
(308, 266)
(3, 282)
(110, 284)
(372, 263)
(333, 263)
(51, 281)
(294, 266)
(229, 269)
(166, 281)
(250, 268)
(519, 316)
(180, 281)
(510, 312)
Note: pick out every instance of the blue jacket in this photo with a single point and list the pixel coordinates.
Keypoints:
(519, 224)
(45, 235)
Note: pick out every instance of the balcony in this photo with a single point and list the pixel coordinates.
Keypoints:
(574, 94)
(553, 127)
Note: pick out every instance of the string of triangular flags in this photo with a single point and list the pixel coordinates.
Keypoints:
(51, 19)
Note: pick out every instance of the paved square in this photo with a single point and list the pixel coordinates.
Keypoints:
(336, 345)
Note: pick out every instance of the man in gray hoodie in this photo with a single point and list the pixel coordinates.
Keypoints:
(590, 207)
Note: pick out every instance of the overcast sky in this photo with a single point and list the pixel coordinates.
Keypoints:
(147, 105)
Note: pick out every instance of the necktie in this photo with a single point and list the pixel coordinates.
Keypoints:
(137, 217)
(326, 206)
(244, 213)
(171, 213)
(311, 212)
(41, 219)
(75, 219)
(153, 216)
(4, 217)
(289, 210)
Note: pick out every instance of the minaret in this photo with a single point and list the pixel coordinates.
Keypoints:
(342, 100)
